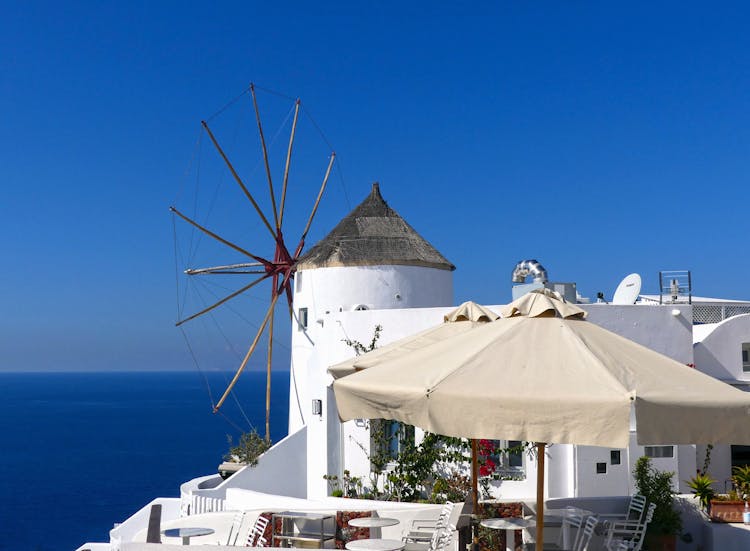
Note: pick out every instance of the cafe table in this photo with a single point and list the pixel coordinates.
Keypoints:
(375, 544)
(510, 525)
(186, 533)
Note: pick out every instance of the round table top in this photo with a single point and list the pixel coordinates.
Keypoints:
(374, 544)
(373, 522)
(509, 523)
(187, 532)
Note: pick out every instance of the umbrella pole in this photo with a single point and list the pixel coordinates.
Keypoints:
(540, 495)
(474, 496)
(474, 473)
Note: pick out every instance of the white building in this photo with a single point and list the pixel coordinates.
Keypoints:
(372, 270)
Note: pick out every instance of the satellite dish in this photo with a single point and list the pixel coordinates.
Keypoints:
(628, 290)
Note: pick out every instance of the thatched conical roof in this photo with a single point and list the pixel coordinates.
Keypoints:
(373, 234)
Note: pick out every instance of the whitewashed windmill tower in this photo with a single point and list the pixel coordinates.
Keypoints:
(373, 259)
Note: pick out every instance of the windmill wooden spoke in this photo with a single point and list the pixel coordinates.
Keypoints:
(237, 248)
(315, 207)
(250, 351)
(288, 161)
(225, 272)
(227, 269)
(237, 179)
(265, 157)
(225, 299)
(268, 378)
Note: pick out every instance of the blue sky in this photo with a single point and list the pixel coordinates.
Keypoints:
(600, 139)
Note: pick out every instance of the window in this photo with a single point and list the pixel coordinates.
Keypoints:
(659, 451)
(740, 455)
(515, 455)
(746, 357)
(507, 457)
(297, 282)
(601, 468)
(614, 457)
(387, 440)
(302, 319)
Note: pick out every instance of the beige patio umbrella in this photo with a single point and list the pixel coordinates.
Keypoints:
(544, 374)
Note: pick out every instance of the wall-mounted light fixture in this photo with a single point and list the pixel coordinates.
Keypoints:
(317, 407)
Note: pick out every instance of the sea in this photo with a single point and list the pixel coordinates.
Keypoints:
(83, 451)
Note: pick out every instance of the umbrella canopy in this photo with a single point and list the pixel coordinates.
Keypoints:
(545, 374)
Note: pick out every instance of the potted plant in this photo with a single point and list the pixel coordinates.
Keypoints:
(246, 453)
(656, 486)
(702, 487)
(729, 507)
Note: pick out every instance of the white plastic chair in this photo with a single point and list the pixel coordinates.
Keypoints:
(255, 536)
(631, 532)
(445, 538)
(423, 530)
(234, 530)
(577, 522)
(439, 541)
(581, 541)
(636, 507)
(584, 539)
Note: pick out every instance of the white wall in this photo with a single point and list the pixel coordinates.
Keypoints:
(718, 348)
(561, 460)
(329, 293)
(687, 462)
(653, 326)
(356, 448)
(720, 467)
(326, 292)
(614, 482)
(281, 470)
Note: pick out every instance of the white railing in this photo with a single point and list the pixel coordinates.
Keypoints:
(716, 312)
(203, 504)
(187, 505)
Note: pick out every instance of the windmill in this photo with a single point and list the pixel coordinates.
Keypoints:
(277, 269)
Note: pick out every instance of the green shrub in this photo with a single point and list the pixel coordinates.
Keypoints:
(250, 447)
(656, 486)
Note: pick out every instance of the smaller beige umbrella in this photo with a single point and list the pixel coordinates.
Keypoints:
(465, 317)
